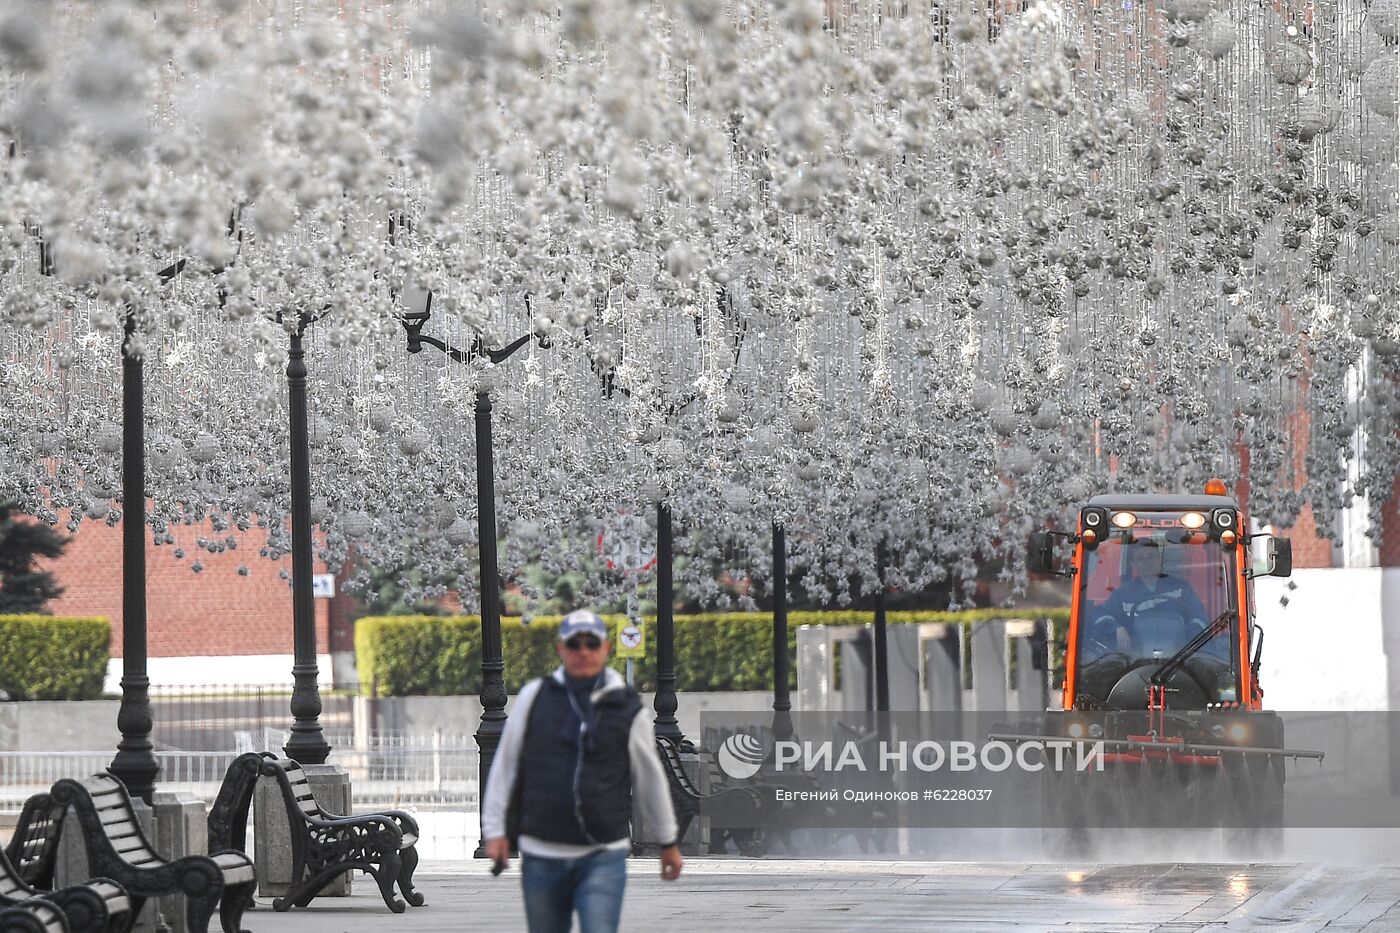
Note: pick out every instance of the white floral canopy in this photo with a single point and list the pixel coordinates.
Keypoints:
(914, 272)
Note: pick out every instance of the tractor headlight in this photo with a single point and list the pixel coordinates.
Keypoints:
(1217, 731)
(1095, 730)
(1223, 524)
(1075, 730)
(1093, 524)
(1238, 731)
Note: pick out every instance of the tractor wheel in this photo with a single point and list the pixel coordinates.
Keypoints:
(751, 843)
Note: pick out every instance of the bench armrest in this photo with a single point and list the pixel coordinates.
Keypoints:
(345, 822)
(407, 824)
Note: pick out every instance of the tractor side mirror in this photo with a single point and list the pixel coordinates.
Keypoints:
(1278, 556)
(1041, 556)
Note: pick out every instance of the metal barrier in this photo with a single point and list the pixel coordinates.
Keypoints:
(203, 717)
(433, 772)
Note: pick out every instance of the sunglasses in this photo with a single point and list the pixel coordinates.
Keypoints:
(576, 644)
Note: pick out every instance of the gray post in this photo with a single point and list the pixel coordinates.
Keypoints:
(942, 667)
(989, 665)
(881, 648)
(181, 829)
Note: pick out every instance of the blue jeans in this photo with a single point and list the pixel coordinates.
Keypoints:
(593, 885)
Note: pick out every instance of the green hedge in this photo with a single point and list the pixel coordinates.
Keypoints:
(441, 655)
(53, 658)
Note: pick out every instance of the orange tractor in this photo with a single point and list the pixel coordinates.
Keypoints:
(1162, 665)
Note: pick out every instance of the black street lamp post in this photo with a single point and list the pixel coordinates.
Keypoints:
(665, 703)
(782, 703)
(882, 650)
(135, 763)
(493, 686)
(493, 665)
(307, 744)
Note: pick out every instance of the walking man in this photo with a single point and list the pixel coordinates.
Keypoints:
(574, 752)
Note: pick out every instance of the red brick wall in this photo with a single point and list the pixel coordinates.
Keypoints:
(1309, 550)
(212, 613)
(1388, 546)
(342, 610)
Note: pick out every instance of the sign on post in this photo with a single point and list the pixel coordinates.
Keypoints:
(631, 641)
(323, 585)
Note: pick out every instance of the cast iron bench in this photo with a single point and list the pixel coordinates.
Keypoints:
(729, 807)
(34, 846)
(324, 845)
(228, 815)
(118, 849)
(98, 905)
(33, 917)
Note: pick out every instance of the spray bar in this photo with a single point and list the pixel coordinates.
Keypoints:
(1184, 748)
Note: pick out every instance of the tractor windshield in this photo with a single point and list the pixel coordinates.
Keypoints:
(1146, 591)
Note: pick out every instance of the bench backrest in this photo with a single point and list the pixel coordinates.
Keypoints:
(228, 816)
(33, 848)
(12, 886)
(675, 768)
(296, 788)
(118, 820)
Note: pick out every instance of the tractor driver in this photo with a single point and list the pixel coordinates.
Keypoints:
(1150, 596)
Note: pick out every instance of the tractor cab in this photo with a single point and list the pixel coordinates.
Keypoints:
(1162, 608)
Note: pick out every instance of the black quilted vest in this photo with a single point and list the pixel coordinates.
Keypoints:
(577, 789)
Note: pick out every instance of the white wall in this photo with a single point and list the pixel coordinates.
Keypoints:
(1327, 649)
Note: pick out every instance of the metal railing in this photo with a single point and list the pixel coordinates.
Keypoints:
(204, 717)
(437, 771)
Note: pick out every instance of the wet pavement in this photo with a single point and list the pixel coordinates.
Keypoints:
(723, 895)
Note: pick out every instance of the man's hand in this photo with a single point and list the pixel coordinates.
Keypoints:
(1125, 641)
(671, 863)
(498, 850)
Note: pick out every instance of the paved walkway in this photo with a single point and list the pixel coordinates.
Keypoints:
(737, 896)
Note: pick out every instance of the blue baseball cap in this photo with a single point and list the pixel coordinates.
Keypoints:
(582, 622)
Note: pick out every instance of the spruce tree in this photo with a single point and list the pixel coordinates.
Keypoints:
(23, 587)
